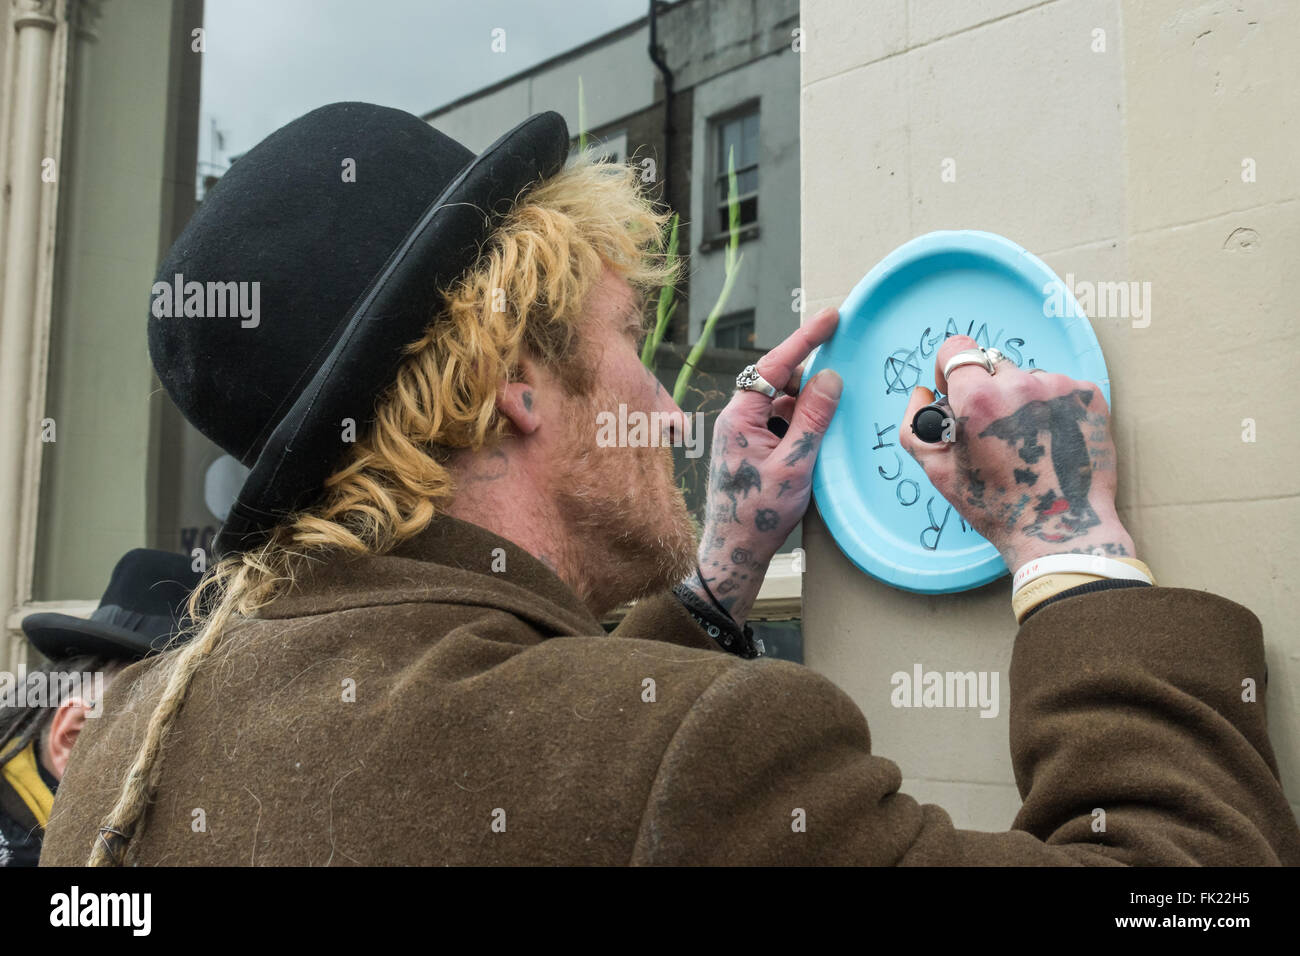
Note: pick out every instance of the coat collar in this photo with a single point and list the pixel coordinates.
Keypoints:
(450, 562)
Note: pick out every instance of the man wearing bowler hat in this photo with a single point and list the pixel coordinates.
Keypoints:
(400, 659)
(44, 711)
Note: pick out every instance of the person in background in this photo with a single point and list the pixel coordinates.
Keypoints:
(44, 710)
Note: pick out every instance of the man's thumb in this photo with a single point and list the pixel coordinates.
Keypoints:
(817, 403)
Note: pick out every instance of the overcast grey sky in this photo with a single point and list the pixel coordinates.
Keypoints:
(269, 61)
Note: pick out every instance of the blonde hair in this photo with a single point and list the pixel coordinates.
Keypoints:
(546, 257)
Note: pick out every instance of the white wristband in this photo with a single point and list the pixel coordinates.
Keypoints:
(1095, 564)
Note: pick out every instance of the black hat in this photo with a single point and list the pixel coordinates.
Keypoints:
(351, 220)
(141, 610)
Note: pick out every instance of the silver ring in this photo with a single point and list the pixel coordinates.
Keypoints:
(986, 359)
(750, 381)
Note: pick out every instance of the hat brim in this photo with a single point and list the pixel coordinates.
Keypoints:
(305, 446)
(59, 636)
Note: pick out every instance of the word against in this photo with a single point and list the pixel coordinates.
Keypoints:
(208, 300)
(102, 909)
(48, 688)
(647, 430)
(946, 689)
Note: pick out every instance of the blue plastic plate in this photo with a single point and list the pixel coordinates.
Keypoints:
(881, 509)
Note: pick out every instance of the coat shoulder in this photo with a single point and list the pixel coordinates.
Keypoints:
(392, 735)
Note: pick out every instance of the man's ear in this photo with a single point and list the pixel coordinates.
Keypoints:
(64, 729)
(517, 400)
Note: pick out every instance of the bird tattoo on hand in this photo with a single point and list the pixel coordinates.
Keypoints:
(1068, 514)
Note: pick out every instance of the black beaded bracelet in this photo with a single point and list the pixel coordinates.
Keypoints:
(719, 625)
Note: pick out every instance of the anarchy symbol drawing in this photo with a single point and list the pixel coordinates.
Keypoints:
(902, 372)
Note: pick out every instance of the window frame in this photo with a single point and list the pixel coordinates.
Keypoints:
(740, 314)
(716, 159)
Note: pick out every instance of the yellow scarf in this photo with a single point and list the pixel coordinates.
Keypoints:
(20, 772)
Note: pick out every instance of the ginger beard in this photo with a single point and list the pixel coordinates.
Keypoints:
(626, 516)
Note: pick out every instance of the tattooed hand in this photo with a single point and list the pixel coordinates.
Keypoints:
(759, 484)
(1033, 465)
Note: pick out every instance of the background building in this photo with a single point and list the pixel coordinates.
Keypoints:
(99, 106)
(726, 77)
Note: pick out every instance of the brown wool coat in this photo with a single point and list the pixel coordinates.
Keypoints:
(484, 696)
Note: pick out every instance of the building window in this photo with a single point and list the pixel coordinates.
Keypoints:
(734, 331)
(738, 131)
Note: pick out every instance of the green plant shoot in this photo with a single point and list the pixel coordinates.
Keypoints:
(582, 118)
(667, 303)
(731, 265)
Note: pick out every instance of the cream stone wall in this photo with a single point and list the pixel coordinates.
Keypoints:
(1128, 163)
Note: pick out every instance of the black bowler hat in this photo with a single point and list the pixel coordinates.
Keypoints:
(351, 220)
(140, 612)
